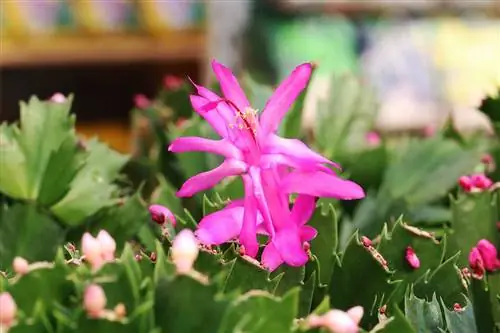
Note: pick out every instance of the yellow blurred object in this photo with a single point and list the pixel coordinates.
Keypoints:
(21, 18)
(159, 16)
(469, 56)
(116, 135)
(98, 16)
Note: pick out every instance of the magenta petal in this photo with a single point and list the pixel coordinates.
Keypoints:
(221, 226)
(283, 98)
(190, 144)
(270, 160)
(230, 86)
(206, 180)
(271, 258)
(307, 233)
(303, 209)
(278, 207)
(248, 234)
(212, 117)
(290, 247)
(321, 184)
(295, 149)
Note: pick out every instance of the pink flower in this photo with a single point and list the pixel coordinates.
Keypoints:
(8, 310)
(172, 82)
(243, 219)
(475, 183)
(99, 250)
(429, 130)
(184, 251)
(249, 140)
(373, 139)
(94, 300)
(141, 101)
(489, 255)
(483, 257)
(411, 258)
(161, 214)
(337, 321)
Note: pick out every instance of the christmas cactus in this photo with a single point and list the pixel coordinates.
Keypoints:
(228, 222)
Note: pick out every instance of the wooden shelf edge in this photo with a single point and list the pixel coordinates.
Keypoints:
(85, 49)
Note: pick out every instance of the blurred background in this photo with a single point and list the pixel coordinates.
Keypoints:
(424, 59)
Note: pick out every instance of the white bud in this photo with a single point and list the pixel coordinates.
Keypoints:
(184, 251)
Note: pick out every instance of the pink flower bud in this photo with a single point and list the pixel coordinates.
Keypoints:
(487, 159)
(94, 300)
(161, 214)
(366, 241)
(8, 309)
(108, 245)
(20, 266)
(58, 98)
(172, 82)
(489, 254)
(141, 101)
(180, 122)
(184, 251)
(465, 183)
(337, 321)
(373, 139)
(476, 263)
(457, 307)
(91, 249)
(411, 258)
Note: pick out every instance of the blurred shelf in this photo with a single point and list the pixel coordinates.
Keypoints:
(98, 49)
(117, 135)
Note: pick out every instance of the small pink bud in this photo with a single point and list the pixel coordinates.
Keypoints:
(20, 266)
(94, 300)
(161, 214)
(91, 249)
(180, 122)
(58, 98)
(120, 311)
(411, 258)
(489, 255)
(8, 309)
(184, 251)
(153, 256)
(465, 183)
(108, 245)
(337, 321)
(172, 82)
(366, 241)
(429, 131)
(141, 101)
(476, 263)
(241, 250)
(487, 159)
(138, 257)
(383, 309)
(306, 246)
(457, 307)
(373, 139)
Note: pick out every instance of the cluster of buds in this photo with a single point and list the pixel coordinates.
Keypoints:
(99, 250)
(337, 321)
(483, 258)
(475, 183)
(94, 303)
(8, 310)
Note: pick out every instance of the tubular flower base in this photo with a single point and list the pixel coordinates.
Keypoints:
(271, 167)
